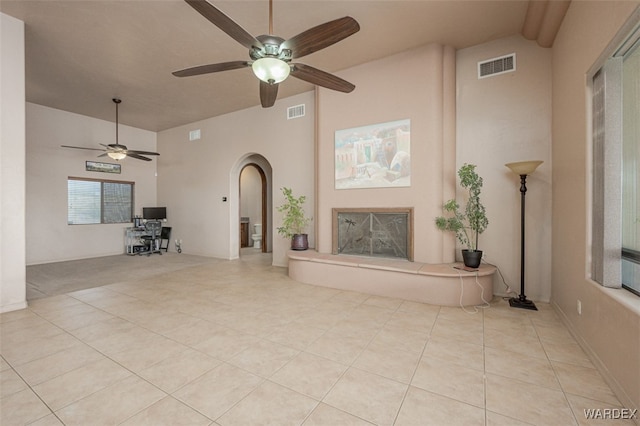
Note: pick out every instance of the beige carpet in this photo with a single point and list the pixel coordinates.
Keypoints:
(51, 279)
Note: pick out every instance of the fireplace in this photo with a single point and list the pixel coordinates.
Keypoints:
(373, 232)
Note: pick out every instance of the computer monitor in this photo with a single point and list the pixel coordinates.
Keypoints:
(154, 213)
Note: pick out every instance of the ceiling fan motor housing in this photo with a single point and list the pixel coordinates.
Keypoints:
(271, 48)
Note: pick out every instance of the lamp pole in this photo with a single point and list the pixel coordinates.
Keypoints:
(522, 169)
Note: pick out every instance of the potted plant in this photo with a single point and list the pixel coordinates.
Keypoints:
(470, 223)
(295, 221)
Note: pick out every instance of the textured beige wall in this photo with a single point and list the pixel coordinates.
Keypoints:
(194, 176)
(12, 165)
(49, 238)
(419, 85)
(610, 322)
(503, 119)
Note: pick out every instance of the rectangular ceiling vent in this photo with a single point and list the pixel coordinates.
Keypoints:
(497, 66)
(295, 111)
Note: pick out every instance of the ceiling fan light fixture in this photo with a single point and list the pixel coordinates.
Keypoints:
(271, 70)
(117, 155)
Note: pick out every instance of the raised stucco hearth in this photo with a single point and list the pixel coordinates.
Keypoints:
(441, 284)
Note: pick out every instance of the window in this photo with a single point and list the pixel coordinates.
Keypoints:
(92, 201)
(616, 169)
(631, 169)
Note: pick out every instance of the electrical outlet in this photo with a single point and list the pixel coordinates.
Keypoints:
(579, 307)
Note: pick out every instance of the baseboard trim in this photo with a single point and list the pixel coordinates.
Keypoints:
(13, 307)
(618, 390)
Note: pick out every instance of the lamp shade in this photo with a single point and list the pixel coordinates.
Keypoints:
(271, 70)
(117, 155)
(524, 167)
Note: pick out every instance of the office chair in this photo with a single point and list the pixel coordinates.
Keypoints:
(165, 235)
(152, 239)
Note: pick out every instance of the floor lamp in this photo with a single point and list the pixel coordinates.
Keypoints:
(522, 168)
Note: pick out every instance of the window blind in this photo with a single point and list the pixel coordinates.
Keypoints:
(97, 201)
(606, 197)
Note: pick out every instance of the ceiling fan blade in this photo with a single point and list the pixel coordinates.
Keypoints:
(226, 24)
(103, 155)
(321, 36)
(321, 78)
(138, 157)
(81, 147)
(133, 151)
(206, 69)
(268, 94)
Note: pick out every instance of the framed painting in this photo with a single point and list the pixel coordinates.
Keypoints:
(94, 166)
(373, 156)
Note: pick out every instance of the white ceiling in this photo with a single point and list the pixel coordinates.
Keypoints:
(81, 54)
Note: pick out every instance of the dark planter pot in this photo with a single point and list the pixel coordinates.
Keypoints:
(299, 242)
(472, 258)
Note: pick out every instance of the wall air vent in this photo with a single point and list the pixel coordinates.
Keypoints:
(295, 111)
(497, 66)
(194, 135)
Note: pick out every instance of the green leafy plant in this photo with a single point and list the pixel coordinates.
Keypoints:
(295, 220)
(473, 221)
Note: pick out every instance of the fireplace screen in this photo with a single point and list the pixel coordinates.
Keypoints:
(383, 232)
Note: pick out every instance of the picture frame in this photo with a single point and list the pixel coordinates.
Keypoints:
(95, 166)
(373, 156)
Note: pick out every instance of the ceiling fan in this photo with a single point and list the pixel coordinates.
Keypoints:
(115, 150)
(271, 55)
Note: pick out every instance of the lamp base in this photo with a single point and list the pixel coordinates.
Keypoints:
(525, 303)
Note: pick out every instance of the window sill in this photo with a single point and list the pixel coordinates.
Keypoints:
(622, 296)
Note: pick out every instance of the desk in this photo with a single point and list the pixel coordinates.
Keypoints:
(133, 243)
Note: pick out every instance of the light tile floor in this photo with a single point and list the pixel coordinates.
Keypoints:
(239, 343)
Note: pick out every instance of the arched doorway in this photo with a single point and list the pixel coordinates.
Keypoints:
(255, 163)
(253, 186)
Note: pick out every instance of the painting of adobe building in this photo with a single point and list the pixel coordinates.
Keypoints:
(374, 156)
